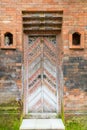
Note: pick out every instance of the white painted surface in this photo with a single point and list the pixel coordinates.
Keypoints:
(28, 124)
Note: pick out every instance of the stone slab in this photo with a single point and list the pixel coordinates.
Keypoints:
(42, 115)
(42, 124)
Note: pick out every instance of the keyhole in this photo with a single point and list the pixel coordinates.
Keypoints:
(39, 76)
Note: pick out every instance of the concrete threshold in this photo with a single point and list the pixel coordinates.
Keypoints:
(42, 124)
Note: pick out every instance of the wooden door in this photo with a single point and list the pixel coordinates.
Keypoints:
(42, 89)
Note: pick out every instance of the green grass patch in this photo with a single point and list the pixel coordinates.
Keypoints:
(9, 122)
(10, 116)
(76, 123)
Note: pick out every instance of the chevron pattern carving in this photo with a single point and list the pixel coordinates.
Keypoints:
(42, 88)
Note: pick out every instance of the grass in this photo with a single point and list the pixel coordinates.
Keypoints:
(9, 122)
(10, 116)
(76, 123)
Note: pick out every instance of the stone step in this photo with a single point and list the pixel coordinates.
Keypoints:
(42, 124)
(41, 115)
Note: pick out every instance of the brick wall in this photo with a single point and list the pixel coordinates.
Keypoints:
(10, 75)
(75, 90)
(74, 61)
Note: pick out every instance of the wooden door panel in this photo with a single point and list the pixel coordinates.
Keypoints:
(35, 100)
(49, 68)
(42, 74)
(34, 71)
(50, 97)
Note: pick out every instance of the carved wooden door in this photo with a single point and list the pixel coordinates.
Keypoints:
(42, 90)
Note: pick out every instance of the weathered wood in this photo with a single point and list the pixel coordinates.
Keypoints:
(42, 74)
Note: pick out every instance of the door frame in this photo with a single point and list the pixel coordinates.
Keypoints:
(59, 71)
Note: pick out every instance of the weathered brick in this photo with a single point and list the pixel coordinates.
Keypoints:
(74, 64)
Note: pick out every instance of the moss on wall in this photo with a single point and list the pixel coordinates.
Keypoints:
(10, 115)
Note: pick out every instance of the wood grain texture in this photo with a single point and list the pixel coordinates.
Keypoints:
(42, 93)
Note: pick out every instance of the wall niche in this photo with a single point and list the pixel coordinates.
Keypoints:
(8, 39)
(76, 39)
